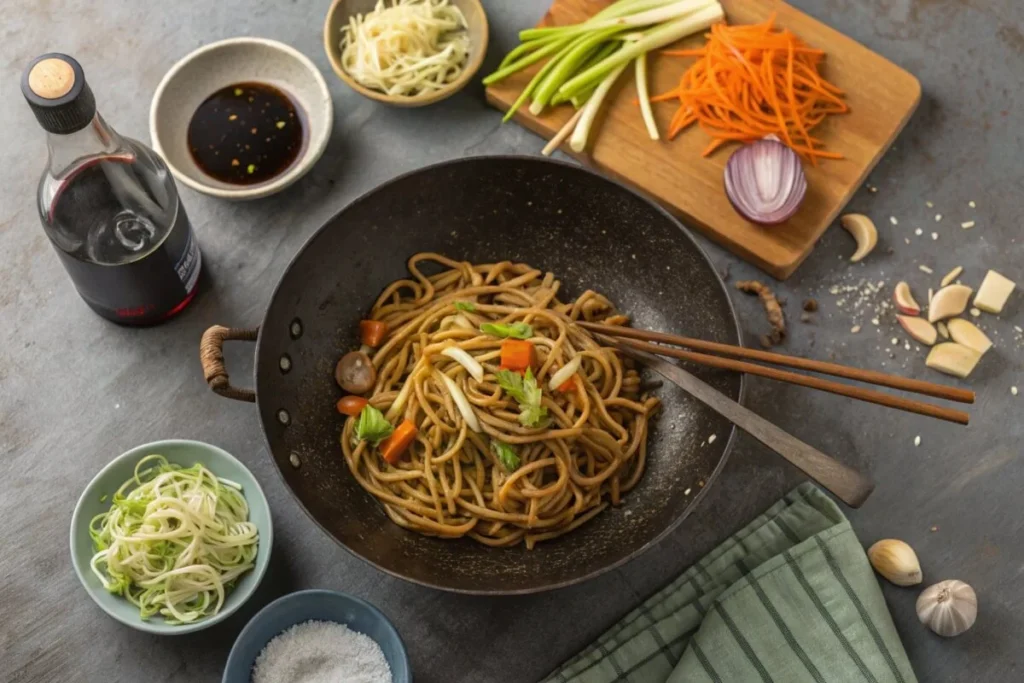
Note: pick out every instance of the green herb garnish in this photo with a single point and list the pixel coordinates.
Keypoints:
(372, 426)
(515, 330)
(525, 391)
(465, 306)
(506, 454)
(251, 168)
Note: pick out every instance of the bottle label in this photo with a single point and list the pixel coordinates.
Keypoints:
(189, 264)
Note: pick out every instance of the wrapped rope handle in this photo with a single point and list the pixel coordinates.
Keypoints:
(211, 354)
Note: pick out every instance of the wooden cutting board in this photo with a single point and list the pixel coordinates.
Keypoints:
(881, 95)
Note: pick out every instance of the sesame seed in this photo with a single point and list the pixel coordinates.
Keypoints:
(929, 204)
(971, 204)
(892, 219)
(687, 492)
(925, 269)
(967, 225)
(855, 329)
(711, 439)
(938, 217)
(919, 232)
(1013, 390)
(917, 441)
(935, 235)
(975, 312)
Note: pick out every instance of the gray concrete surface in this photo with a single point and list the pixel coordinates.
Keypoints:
(75, 390)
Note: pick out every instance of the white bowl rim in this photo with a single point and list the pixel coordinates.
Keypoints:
(266, 542)
(309, 158)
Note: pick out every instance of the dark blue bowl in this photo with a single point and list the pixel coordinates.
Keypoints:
(319, 605)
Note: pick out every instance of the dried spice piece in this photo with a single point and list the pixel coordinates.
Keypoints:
(772, 310)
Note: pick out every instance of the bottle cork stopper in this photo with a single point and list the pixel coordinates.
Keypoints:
(51, 78)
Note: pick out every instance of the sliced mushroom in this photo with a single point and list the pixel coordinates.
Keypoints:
(949, 302)
(920, 329)
(355, 373)
(863, 231)
(905, 300)
(967, 333)
(953, 359)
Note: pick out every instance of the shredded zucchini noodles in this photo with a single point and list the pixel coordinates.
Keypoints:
(410, 48)
(174, 540)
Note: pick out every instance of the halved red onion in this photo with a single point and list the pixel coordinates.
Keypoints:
(765, 181)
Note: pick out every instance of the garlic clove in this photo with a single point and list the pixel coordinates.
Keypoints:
(949, 301)
(863, 231)
(949, 607)
(967, 333)
(994, 291)
(953, 359)
(896, 561)
(905, 300)
(943, 329)
(920, 329)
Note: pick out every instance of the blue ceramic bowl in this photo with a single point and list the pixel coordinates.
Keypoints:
(119, 470)
(319, 605)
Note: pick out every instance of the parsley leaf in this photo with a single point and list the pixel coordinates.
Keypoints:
(526, 392)
(506, 455)
(515, 330)
(372, 426)
(465, 306)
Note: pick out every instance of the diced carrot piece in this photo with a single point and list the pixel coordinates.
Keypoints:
(568, 385)
(372, 332)
(392, 448)
(517, 354)
(351, 405)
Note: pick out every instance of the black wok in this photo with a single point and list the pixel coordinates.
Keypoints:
(592, 233)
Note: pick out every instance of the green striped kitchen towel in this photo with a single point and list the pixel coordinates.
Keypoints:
(791, 598)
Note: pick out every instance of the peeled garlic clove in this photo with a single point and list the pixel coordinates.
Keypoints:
(953, 359)
(949, 607)
(896, 561)
(967, 333)
(948, 302)
(905, 300)
(994, 291)
(863, 231)
(920, 329)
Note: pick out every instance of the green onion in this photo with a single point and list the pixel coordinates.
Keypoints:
(466, 306)
(506, 455)
(515, 330)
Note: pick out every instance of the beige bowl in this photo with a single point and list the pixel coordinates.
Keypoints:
(236, 60)
(341, 10)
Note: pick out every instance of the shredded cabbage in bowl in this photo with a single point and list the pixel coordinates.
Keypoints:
(409, 48)
(174, 540)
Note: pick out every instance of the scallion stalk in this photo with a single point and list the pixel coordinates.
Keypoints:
(578, 142)
(644, 96)
(653, 39)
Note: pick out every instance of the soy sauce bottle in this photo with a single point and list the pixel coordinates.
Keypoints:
(109, 204)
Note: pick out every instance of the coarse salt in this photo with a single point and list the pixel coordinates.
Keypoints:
(321, 652)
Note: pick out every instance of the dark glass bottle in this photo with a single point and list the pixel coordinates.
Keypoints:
(109, 204)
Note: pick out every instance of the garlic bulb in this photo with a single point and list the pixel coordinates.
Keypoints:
(949, 608)
(896, 561)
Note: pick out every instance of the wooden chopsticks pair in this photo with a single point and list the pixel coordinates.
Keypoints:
(701, 351)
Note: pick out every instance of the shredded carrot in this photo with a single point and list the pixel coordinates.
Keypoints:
(568, 385)
(752, 81)
(391, 448)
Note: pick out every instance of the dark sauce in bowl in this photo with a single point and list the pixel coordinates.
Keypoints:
(246, 133)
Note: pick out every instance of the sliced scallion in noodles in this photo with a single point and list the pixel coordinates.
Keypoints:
(174, 540)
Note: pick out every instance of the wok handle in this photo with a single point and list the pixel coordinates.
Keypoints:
(211, 354)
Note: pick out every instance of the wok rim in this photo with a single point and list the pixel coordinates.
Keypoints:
(660, 536)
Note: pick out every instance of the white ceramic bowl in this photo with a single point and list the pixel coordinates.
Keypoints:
(235, 60)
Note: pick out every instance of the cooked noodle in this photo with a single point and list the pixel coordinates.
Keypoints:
(450, 483)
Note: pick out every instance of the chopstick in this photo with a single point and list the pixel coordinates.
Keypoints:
(859, 393)
(870, 376)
